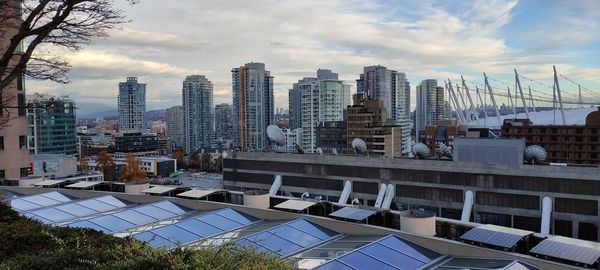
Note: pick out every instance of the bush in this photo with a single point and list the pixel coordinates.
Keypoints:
(29, 244)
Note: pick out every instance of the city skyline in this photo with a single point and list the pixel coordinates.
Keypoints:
(426, 40)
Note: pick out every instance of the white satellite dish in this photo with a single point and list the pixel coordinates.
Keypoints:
(275, 135)
(225, 154)
(535, 153)
(420, 150)
(334, 152)
(359, 145)
(319, 151)
(445, 151)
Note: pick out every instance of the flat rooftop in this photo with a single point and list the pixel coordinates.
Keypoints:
(311, 242)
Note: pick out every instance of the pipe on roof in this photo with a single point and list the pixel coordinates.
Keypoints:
(380, 195)
(276, 185)
(467, 206)
(346, 192)
(546, 214)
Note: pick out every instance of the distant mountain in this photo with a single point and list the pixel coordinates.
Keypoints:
(156, 115)
(112, 113)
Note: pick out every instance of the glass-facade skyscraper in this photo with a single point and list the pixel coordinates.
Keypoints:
(51, 125)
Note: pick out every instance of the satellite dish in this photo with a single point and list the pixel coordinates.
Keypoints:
(319, 151)
(299, 148)
(334, 152)
(421, 151)
(359, 145)
(355, 201)
(275, 135)
(535, 153)
(445, 151)
(305, 195)
(225, 154)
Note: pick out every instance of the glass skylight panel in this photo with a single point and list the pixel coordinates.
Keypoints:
(288, 238)
(97, 205)
(76, 209)
(112, 201)
(171, 207)
(87, 224)
(390, 252)
(156, 212)
(38, 201)
(41, 200)
(153, 240)
(335, 265)
(198, 227)
(43, 220)
(112, 223)
(135, 217)
(176, 234)
(23, 205)
(53, 214)
(56, 196)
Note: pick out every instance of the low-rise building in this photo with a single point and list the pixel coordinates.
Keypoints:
(332, 135)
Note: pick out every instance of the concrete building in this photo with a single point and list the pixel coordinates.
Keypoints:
(174, 119)
(51, 125)
(137, 142)
(322, 99)
(366, 119)
(505, 195)
(53, 165)
(446, 131)
(430, 105)
(198, 112)
(579, 144)
(224, 122)
(392, 87)
(132, 106)
(332, 135)
(253, 105)
(295, 105)
(153, 165)
(14, 155)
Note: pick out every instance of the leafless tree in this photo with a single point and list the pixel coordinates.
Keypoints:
(36, 30)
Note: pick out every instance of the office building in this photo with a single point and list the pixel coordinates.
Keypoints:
(430, 105)
(224, 122)
(132, 106)
(253, 105)
(366, 120)
(198, 112)
(332, 135)
(174, 119)
(295, 104)
(14, 155)
(323, 99)
(579, 144)
(51, 125)
(392, 87)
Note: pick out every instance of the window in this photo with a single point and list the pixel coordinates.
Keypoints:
(21, 104)
(1, 143)
(2, 174)
(22, 142)
(24, 172)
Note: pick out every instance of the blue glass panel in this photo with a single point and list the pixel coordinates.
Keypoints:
(171, 207)
(399, 245)
(219, 222)
(112, 201)
(41, 200)
(314, 230)
(333, 265)
(43, 220)
(253, 246)
(153, 240)
(362, 261)
(135, 217)
(87, 224)
(22, 205)
(237, 216)
(111, 223)
(199, 227)
(76, 209)
(155, 212)
(53, 215)
(56, 196)
(295, 235)
(176, 234)
(391, 256)
(275, 243)
(96, 205)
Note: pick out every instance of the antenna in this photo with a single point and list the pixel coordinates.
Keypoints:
(275, 135)
(359, 146)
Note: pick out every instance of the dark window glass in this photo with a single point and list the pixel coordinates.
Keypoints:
(21, 104)
(588, 231)
(22, 142)
(563, 227)
(576, 206)
(1, 143)
(2, 174)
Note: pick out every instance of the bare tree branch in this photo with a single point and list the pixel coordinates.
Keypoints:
(64, 24)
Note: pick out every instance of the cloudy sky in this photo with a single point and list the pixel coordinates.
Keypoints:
(168, 40)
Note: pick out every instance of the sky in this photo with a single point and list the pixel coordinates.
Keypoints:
(168, 40)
